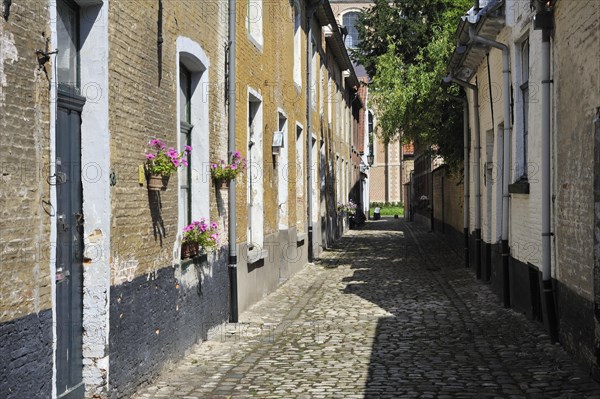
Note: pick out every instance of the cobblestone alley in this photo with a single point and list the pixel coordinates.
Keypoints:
(390, 312)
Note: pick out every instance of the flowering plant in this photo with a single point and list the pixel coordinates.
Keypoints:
(202, 233)
(165, 161)
(228, 171)
(350, 207)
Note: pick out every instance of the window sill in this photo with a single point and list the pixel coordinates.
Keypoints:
(521, 186)
(256, 255)
(300, 238)
(256, 41)
(196, 260)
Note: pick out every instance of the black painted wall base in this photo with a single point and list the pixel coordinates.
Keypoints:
(153, 321)
(576, 326)
(26, 357)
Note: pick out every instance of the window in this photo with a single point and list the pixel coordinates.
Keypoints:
(297, 45)
(283, 173)
(185, 139)
(193, 125)
(255, 188)
(525, 99)
(68, 43)
(255, 22)
(349, 22)
(313, 76)
(300, 199)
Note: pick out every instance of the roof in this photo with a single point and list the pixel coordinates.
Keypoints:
(487, 22)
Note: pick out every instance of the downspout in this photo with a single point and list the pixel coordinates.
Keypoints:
(467, 173)
(506, 154)
(546, 192)
(232, 266)
(477, 177)
(310, 11)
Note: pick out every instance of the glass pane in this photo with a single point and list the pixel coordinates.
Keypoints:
(184, 198)
(525, 61)
(184, 94)
(67, 34)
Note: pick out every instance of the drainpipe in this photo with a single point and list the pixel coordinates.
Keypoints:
(546, 193)
(506, 156)
(477, 177)
(232, 267)
(467, 172)
(310, 11)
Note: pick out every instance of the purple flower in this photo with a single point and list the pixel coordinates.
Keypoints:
(236, 154)
(150, 156)
(233, 166)
(175, 162)
(188, 149)
(156, 143)
(213, 166)
(213, 225)
(184, 162)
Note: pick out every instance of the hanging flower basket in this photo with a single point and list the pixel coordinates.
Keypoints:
(189, 250)
(157, 182)
(222, 172)
(162, 162)
(222, 184)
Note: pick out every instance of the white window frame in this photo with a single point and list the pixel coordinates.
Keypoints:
(254, 22)
(297, 45)
(194, 58)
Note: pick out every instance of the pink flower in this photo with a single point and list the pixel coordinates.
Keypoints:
(175, 162)
(156, 143)
(213, 166)
(150, 156)
(188, 149)
(184, 162)
(214, 225)
(236, 154)
(233, 166)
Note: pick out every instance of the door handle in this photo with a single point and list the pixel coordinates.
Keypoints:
(61, 221)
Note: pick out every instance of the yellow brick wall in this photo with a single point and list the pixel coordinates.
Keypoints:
(143, 108)
(24, 192)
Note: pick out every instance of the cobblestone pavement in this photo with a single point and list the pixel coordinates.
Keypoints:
(389, 313)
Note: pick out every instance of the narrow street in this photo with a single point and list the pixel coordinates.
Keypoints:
(390, 312)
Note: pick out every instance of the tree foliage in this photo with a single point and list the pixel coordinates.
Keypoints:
(405, 46)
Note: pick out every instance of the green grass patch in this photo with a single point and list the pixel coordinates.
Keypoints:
(389, 210)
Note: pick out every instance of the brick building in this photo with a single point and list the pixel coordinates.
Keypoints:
(531, 77)
(95, 299)
(393, 161)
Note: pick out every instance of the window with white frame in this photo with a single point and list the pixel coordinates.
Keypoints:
(297, 45)
(283, 172)
(185, 140)
(192, 116)
(349, 22)
(300, 175)
(524, 86)
(255, 22)
(313, 76)
(255, 187)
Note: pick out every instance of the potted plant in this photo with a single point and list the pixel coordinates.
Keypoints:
(162, 163)
(199, 237)
(222, 172)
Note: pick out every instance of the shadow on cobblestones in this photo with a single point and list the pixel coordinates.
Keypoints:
(447, 335)
(388, 312)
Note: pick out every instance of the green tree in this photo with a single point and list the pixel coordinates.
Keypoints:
(405, 50)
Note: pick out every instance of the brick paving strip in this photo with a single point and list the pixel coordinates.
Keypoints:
(389, 312)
